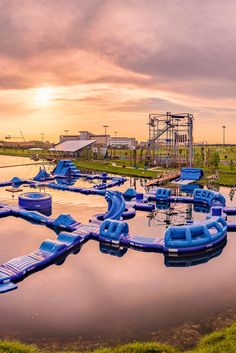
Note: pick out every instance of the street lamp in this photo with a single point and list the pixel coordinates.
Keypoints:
(115, 132)
(42, 135)
(105, 127)
(66, 132)
(224, 127)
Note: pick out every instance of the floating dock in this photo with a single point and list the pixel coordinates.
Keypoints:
(163, 179)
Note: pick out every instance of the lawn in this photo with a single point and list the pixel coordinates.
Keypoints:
(105, 166)
(121, 166)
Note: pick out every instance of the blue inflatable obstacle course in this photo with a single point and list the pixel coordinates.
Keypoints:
(194, 174)
(65, 174)
(66, 168)
(117, 208)
(189, 238)
(35, 201)
(50, 252)
(189, 175)
(113, 231)
(129, 194)
(163, 194)
(195, 237)
(42, 175)
(63, 221)
(208, 197)
(140, 203)
(200, 196)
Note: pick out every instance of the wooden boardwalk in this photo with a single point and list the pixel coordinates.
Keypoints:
(163, 179)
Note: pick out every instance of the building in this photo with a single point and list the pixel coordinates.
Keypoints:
(101, 140)
(128, 142)
(143, 143)
(71, 148)
(64, 138)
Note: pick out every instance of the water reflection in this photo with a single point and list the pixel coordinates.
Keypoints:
(81, 301)
(167, 213)
(170, 260)
(112, 250)
(189, 188)
(173, 260)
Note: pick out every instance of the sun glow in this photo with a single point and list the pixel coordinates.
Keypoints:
(44, 95)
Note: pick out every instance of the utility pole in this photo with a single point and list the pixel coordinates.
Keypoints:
(224, 127)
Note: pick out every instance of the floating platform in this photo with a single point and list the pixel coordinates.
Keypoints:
(163, 179)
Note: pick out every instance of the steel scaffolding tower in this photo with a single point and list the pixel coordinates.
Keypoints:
(171, 134)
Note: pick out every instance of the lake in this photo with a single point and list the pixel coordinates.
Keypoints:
(95, 298)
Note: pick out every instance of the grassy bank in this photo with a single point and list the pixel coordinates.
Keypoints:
(104, 166)
(223, 341)
(227, 177)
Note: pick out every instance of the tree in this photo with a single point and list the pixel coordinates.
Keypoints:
(214, 160)
(232, 166)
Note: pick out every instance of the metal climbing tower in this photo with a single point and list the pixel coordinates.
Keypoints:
(171, 139)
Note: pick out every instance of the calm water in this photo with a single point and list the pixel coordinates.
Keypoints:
(94, 297)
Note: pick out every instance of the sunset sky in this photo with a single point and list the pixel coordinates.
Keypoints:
(80, 64)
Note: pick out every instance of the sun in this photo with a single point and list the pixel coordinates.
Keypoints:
(43, 95)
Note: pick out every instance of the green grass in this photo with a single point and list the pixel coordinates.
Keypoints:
(105, 166)
(21, 152)
(17, 347)
(227, 177)
(223, 341)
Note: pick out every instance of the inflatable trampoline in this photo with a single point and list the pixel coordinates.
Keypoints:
(35, 201)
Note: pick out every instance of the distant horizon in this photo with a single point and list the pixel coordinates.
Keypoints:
(78, 65)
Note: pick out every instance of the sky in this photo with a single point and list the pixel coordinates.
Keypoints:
(78, 65)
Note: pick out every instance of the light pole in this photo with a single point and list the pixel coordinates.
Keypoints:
(115, 132)
(42, 135)
(106, 127)
(224, 127)
(66, 132)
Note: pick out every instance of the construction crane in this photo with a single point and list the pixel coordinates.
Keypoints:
(9, 137)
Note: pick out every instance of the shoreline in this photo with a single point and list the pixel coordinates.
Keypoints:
(226, 178)
(220, 341)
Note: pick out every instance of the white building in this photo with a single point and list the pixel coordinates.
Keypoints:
(118, 141)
